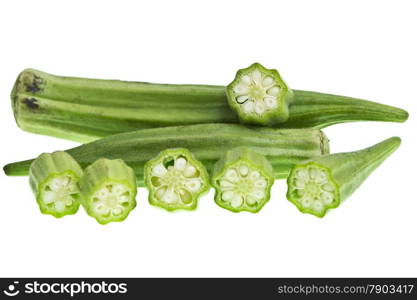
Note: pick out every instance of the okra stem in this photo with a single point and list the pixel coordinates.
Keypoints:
(84, 110)
(322, 183)
(208, 142)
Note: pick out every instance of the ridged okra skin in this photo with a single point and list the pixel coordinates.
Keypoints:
(176, 180)
(54, 179)
(84, 110)
(259, 96)
(242, 179)
(322, 183)
(108, 190)
(282, 147)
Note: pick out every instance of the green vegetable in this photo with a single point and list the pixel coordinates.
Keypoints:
(259, 96)
(53, 178)
(208, 142)
(322, 183)
(175, 180)
(108, 190)
(87, 109)
(243, 180)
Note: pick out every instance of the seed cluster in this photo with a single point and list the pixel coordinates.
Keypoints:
(59, 192)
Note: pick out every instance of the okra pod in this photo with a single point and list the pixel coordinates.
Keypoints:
(322, 183)
(84, 110)
(108, 190)
(53, 178)
(243, 180)
(176, 180)
(282, 147)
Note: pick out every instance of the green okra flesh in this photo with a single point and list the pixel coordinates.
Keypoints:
(84, 110)
(53, 178)
(242, 179)
(282, 147)
(108, 190)
(322, 183)
(175, 180)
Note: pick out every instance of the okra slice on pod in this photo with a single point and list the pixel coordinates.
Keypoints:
(259, 96)
(175, 180)
(108, 190)
(53, 178)
(322, 183)
(243, 180)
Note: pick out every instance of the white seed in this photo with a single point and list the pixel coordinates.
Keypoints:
(236, 201)
(159, 170)
(317, 206)
(231, 175)
(170, 197)
(102, 193)
(306, 201)
(320, 176)
(302, 173)
(159, 193)
(124, 199)
(242, 99)
(190, 171)
(250, 200)
(257, 76)
(245, 79)
(248, 107)
(117, 211)
(313, 172)
(59, 206)
(326, 198)
(118, 189)
(270, 102)
(300, 183)
(267, 81)
(254, 175)
(258, 194)
(228, 195)
(224, 184)
(259, 107)
(48, 197)
(55, 184)
(261, 183)
(273, 91)
(243, 170)
(180, 163)
(193, 185)
(327, 187)
(241, 89)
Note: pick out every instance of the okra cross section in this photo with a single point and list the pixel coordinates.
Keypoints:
(109, 190)
(259, 96)
(322, 183)
(53, 178)
(243, 180)
(175, 180)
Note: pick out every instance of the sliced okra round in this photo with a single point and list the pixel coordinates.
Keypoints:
(176, 180)
(108, 190)
(53, 178)
(322, 183)
(243, 180)
(259, 96)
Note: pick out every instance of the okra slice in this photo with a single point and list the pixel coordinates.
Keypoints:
(53, 178)
(259, 96)
(176, 180)
(109, 190)
(243, 180)
(322, 183)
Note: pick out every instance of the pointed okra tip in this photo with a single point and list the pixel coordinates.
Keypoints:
(176, 180)
(54, 180)
(108, 190)
(243, 180)
(259, 96)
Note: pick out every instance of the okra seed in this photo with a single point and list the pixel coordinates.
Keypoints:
(242, 99)
(228, 195)
(267, 81)
(273, 91)
(248, 107)
(180, 163)
(236, 201)
(243, 170)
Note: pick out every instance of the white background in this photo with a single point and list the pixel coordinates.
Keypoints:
(358, 48)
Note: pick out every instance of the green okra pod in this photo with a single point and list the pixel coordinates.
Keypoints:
(84, 110)
(208, 142)
(322, 183)
(243, 180)
(53, 178)
(175, 180)
(108, 190)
